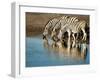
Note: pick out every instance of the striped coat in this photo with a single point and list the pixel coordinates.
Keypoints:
(64, 23)
(50, 25)
(75, 27)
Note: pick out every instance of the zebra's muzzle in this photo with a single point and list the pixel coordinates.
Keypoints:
(44, 37)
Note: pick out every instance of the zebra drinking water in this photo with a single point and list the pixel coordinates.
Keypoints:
(56, 28)
(49, 27)
(74, 28)
(64, 22)
(52, 26)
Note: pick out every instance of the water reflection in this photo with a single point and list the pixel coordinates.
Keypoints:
(43, 53)
(72, 49)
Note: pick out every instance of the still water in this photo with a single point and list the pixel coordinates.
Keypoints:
(37, 55)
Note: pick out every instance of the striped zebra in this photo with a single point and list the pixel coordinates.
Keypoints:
(64, 22)
(49, 27)
(74, 28)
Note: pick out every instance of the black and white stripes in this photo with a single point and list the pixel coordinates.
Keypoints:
(56, 27)
(50, 26)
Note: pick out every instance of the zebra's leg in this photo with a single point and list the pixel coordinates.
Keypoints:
(73, 44)
(69, 34)
(84, 34)
(73, 36)
(60, 35)
(77, 36)
(69, 42)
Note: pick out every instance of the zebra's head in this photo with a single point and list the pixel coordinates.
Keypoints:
(54, 36)
(53, 33)
(60, 34)
(62, 31)
(46, 30)
(45, 33)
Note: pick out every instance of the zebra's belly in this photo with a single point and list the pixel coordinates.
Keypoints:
(75, 30)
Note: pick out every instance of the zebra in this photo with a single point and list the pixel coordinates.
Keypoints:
(49, 27)
(65, 20)
(74, 28)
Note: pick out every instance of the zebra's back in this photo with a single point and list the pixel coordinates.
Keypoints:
(76, 27)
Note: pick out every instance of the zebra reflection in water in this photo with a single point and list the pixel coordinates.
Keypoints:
(72, 49)
(66, 45)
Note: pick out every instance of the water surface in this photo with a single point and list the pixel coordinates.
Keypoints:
(38, 55)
